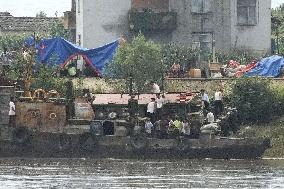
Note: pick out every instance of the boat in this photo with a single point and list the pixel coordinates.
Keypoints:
(50, 126)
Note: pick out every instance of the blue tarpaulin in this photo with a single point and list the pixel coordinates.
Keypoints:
(63, 51)
(268, 67)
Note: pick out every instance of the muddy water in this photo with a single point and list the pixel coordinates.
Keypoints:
(113, 173)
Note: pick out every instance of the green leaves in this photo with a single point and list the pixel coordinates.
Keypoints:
(140, 59)
(254, 99)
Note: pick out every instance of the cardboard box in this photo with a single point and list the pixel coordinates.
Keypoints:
(215, 67)
(195, 73)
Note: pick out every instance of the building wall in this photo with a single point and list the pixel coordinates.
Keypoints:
(80, 23)
(105, 21)
(217, 23)
(101, 21)
(257, 37)
(152, 4)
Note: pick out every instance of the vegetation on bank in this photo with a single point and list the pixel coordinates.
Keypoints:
(273, 130)
(278, 27)
(260, 107)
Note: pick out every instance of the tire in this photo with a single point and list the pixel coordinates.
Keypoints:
(21, 136)
(87, 142)
(139, 142)
(64, 143)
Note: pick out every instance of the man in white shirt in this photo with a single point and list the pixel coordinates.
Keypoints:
(151, 108)
(155, 88)
(160, 102)
(204, 99)
(12, 113)
(210, 117)
(218, 102)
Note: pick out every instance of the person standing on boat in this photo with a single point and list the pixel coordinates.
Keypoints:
(210, 117)
(132, 106)
(12, 113)
(151, 108)
(90, 97)
(160, 102)
(148, 127)
(155, 87)
(204, 99)
(218, 102)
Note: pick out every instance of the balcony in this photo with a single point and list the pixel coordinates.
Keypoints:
(148, 21)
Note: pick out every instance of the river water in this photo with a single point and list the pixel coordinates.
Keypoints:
(117, 173)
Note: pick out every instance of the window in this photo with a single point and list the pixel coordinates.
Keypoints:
(201, 6)
(202, 41)
(246, 12)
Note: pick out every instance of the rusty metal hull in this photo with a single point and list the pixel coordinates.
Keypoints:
(41, 116)
(47, 145)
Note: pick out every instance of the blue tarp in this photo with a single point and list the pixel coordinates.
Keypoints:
(268, 67)
(63, 51)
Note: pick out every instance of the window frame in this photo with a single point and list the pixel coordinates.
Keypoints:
(251, 18)
(203, 9)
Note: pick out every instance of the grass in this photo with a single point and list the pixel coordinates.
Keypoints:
(274, 130)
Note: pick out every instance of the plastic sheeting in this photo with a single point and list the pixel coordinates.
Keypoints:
(63, 51)
(268, 67)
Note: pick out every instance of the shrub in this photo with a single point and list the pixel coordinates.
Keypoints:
(243, 56)
(254, 99)
(140, 59)
(186, 57)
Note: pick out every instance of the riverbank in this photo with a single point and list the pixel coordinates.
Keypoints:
(274, 130)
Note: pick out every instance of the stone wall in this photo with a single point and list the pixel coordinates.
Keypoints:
(171, 85)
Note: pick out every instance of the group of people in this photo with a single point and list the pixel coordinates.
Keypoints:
(212, 110)
(167, 128)
(157, 124)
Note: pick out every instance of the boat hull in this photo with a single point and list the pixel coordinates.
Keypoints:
(52, 145)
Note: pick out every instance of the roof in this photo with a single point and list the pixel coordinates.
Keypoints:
(11, 23)
(103, 99)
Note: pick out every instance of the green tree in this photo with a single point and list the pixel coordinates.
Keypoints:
(140, 59)
(57, 30)
(186, 57)
(277, 21)
(254, 99)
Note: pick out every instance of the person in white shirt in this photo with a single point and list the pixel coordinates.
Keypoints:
(160, 102)
(210, 117)
(204, 99)
(151, 108)
(148, 127)
(218, 102)
(155, 88)
(12, 113)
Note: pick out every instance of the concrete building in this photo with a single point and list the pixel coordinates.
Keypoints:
(231, 24)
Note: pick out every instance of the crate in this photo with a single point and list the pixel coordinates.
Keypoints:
(195, 73)
(216, 67)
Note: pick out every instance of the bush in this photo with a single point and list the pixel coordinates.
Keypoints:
(186, 57)
(254, 99)
(243, 56)
(140, 59)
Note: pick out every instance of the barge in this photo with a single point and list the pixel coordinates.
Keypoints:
(50, 126)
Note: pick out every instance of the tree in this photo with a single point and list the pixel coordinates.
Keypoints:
(140, 59)
(186, 57)
(254, 99)
(277, 21)
(41, 14)
(57, 30)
